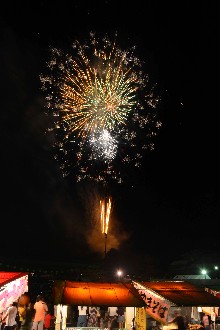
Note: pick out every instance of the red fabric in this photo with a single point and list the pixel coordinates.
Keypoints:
(47, 320)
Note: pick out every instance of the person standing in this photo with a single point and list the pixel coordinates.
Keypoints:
(82, 317)
(40, 311)
(112, 311)
(206, 321)
(1, 316)
(48, 320)
(2, 323)
(28, 316)
(114, 323)
(21, 309)
(213, 318)
(94, 317)
(104, 322)
(200, 312)
(179, 320)
(121, 317)
(9, 317)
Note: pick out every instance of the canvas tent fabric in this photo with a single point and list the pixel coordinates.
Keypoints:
(7, 277)
(12, 286)
(96, 294)
(179, 293)
(182, 293)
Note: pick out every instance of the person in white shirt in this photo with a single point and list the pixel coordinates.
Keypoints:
(82, 318)
(9, 317)
(112, 311)
(213, 318)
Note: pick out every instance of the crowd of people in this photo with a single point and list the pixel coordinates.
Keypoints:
(103, 318)
(25, 315)
(201, 321)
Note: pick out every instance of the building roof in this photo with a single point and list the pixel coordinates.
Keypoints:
(96, 294)
(182, 293)
(7, 277)
(192, 277)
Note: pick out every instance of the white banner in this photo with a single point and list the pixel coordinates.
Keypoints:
(156, 306)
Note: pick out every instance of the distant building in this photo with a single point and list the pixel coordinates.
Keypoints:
(192, 277)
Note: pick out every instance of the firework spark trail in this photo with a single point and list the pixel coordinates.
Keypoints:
(100, 107)
(105, 214)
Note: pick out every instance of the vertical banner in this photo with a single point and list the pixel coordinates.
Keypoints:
(156, 306)
(64, 316)
(130, 317)
(140, 318)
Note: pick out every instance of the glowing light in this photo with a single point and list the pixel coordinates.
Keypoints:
(105, 214)
(204, 272)
(119, 274)
(103, 109)
(104, 145)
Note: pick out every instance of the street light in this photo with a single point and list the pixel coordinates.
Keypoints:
(119, 274)
(216, 271)
(204, 272)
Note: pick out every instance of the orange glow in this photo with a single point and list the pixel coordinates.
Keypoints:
(96, 294)
(105, 214)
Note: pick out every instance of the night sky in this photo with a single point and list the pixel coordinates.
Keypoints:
(161, 212)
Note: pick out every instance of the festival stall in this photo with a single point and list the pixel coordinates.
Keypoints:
(94, 294)
(12, 286)
(151, 304)
(163, 298)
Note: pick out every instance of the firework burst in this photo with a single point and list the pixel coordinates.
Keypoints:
(103, 112)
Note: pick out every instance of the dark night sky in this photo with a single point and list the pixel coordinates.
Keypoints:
(171, 206)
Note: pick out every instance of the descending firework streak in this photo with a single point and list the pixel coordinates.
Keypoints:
(103, 109)
(105, 210)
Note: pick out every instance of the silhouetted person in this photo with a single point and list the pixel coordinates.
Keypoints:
(28, 316)
(82, 318)
(114, 322)
(206, 321)
(179, 320)
(121, 317)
